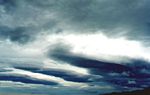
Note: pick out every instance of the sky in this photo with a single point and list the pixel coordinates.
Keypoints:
(75, 47)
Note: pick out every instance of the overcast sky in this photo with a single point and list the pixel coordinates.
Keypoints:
(87, 46)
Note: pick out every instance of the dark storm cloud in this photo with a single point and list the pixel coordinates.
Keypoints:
(115, 17)
(125, 82)
(129, 15)
(24, 21)
(21, 21)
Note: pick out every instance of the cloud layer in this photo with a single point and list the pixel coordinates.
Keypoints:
(80, 45)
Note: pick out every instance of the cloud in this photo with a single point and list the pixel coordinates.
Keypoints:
(25, 80)
(131, 16)
(116, 18)
(80, 61)
(21, 21)
(76, 43)
(116, 73)
(99, 46)
(38, 78)
(66, 75)
(19, 34)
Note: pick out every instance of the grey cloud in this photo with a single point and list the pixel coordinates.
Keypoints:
(69, 76)
(118, 74)
(24, 14)
(134, 69)
(9, 5)
(115, 17)
(132, 16)
(19, 34)
(24, 79)
(21, 21)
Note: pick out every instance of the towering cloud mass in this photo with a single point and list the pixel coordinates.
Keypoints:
(90, 47)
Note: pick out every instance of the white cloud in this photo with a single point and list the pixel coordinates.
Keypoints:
(51, 64)
(100, 46)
